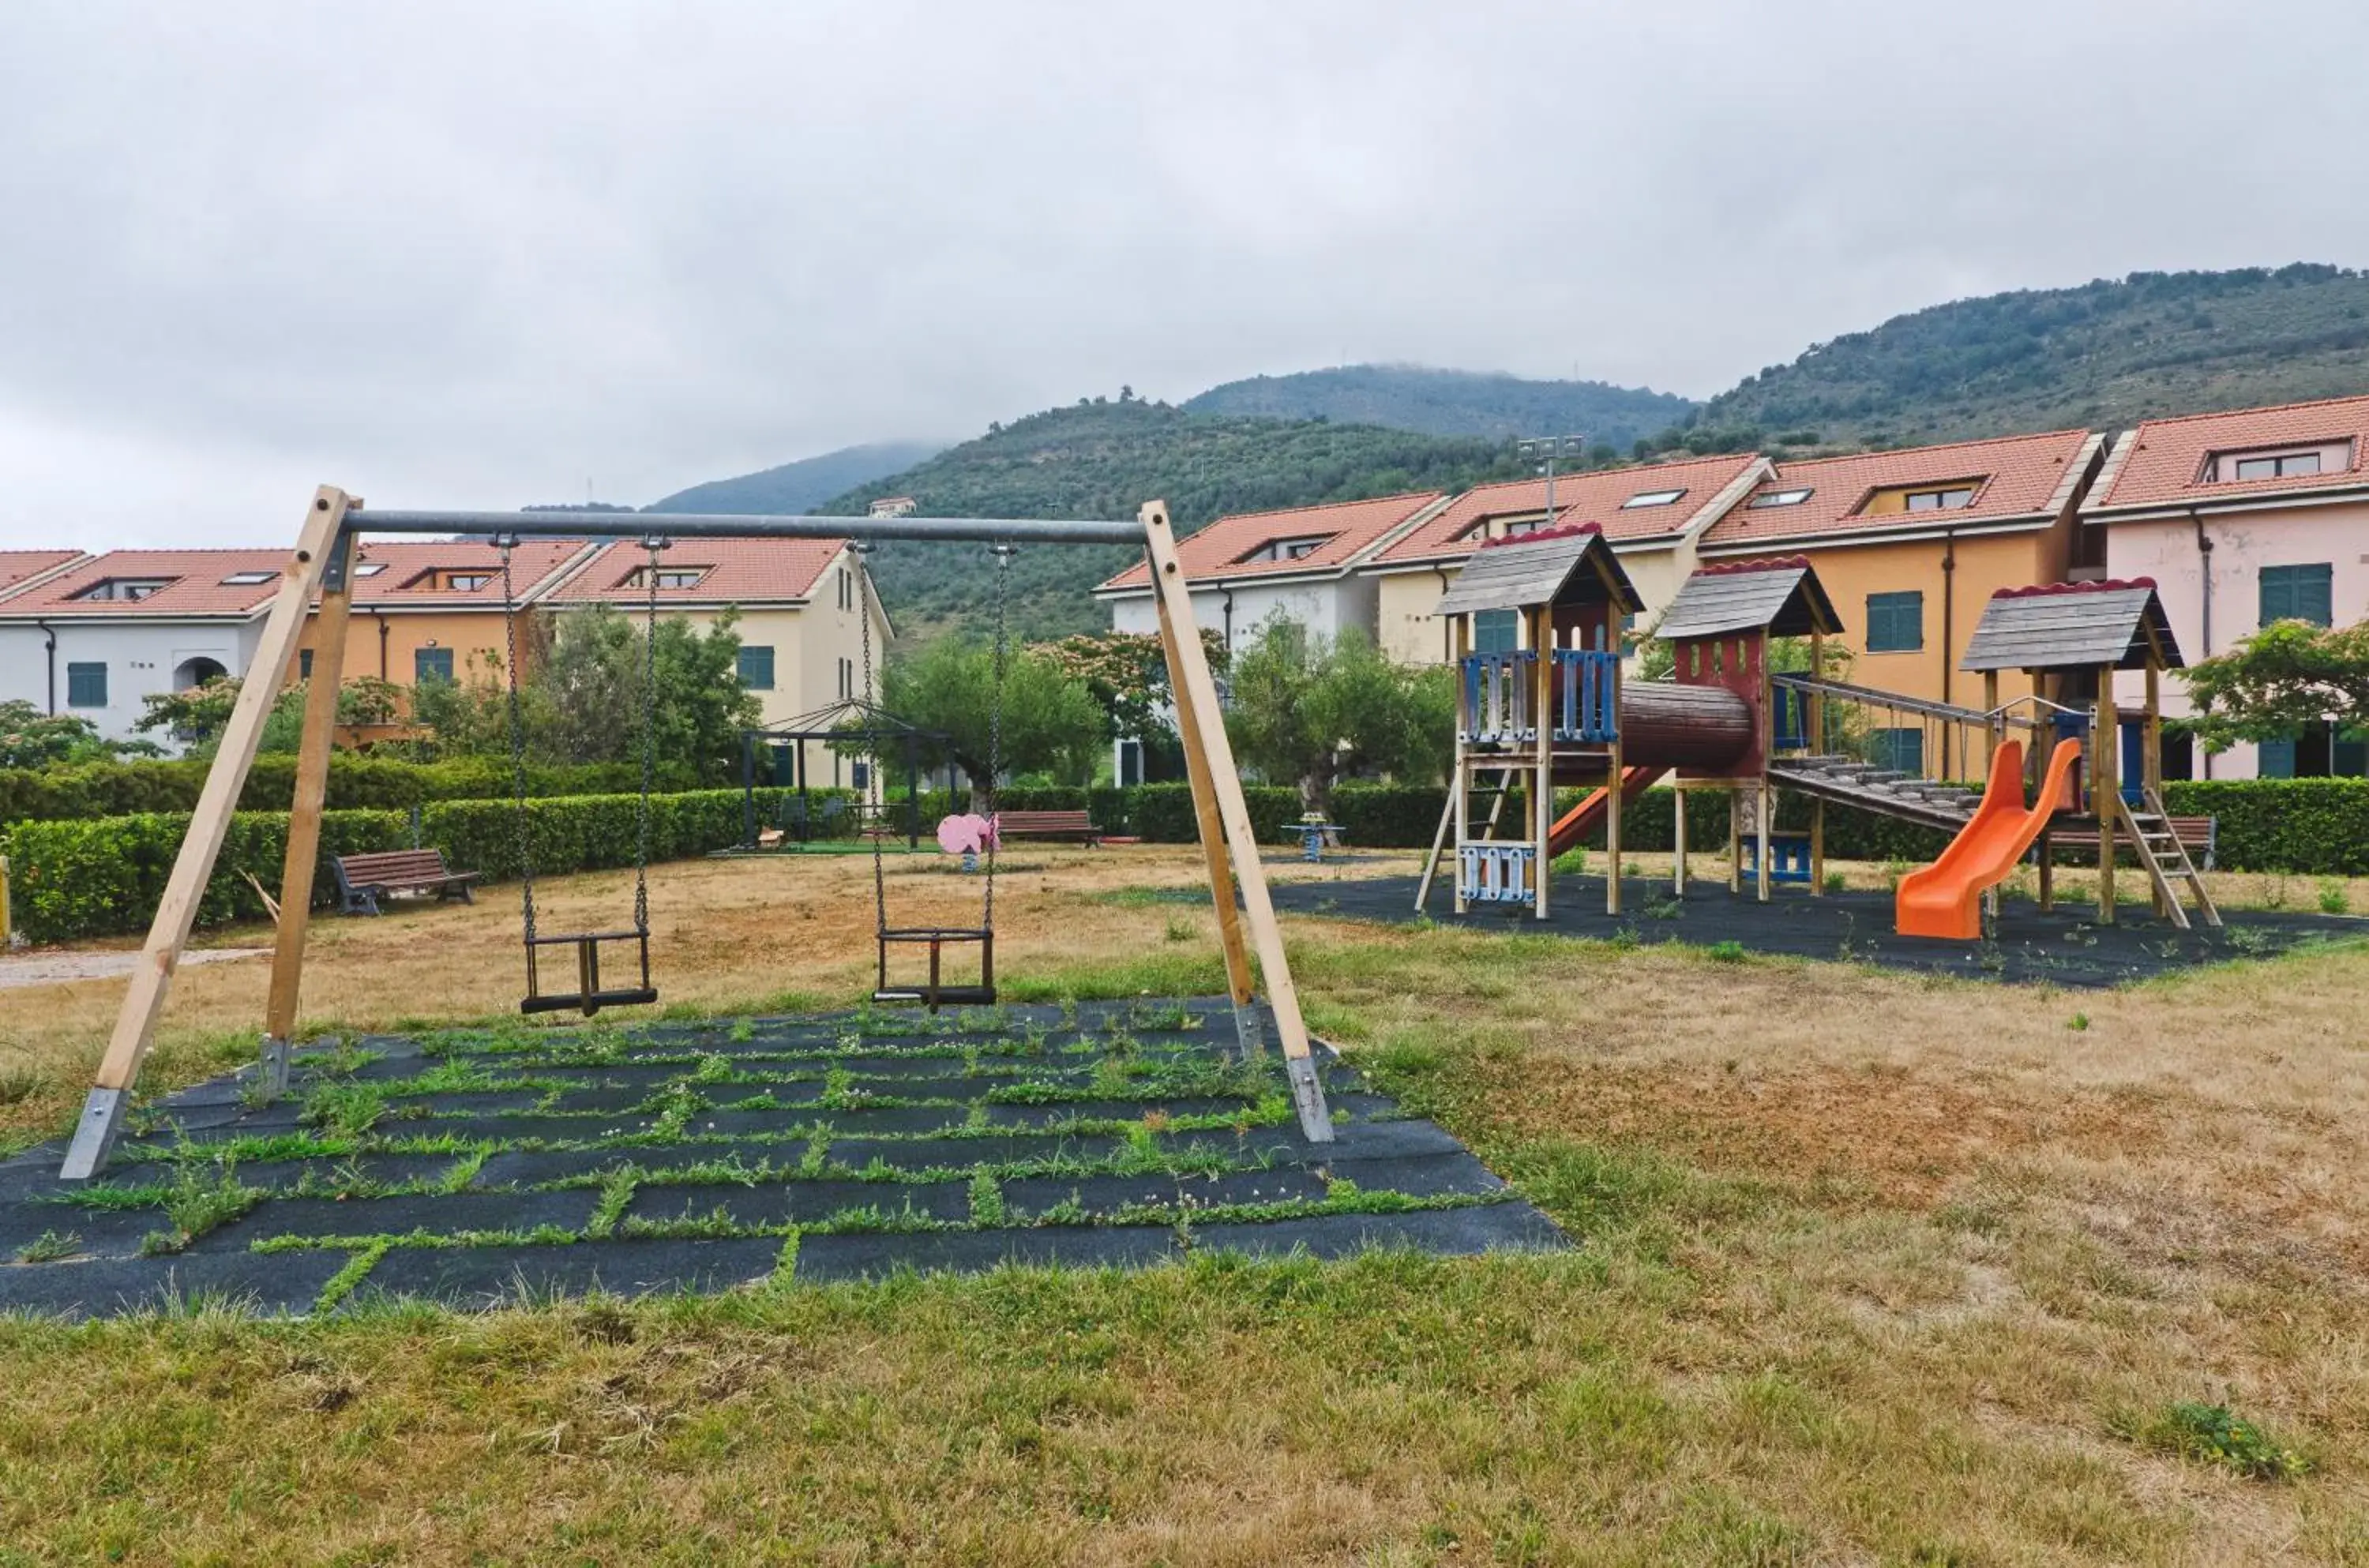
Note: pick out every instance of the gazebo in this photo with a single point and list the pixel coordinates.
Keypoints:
(849, 722)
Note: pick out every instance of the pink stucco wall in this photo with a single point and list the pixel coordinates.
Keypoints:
(2243, 542)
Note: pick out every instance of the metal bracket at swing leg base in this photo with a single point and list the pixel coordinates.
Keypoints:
(95, 1133)
(271, 1069)
(1249, 1033)
(1307, 1099)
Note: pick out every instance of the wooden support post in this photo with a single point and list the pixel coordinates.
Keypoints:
(1996, 730)
(1766, 798)
(2106, 787)
(1678, 840)
(2047, 872)
(1238, 986)
(1198, 693)
(1735, 838)
(305, 813)
(176, 912)
(1464, 722)
(1542, 715)
(2151, 768)
(1613, 784)
(1817, 848)
(1813, 711)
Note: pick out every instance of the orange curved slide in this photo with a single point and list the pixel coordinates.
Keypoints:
(1580, 820)
(1944, 900)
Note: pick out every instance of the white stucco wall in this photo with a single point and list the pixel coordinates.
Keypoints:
(140, 658)
(2243, 543)
(1323, 607)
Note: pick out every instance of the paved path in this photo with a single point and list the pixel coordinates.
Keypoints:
(474, 1168)
(56, 968)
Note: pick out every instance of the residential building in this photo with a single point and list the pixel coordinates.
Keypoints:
(23, 570)
(1301, 565)
(97, 636)
(801, 604)
(892, 506)
(1910, 545)
(2242, 518)
(431, 610)
(1653, 516)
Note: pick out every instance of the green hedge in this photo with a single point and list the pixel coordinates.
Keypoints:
(103, 877)
(357, 781)
(2319, 827)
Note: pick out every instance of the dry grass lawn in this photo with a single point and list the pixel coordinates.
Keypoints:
(1873, 1269)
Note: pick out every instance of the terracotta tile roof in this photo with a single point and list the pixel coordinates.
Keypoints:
(1579, 497)
(736, 571)
(2163, 460)
(17, 565)
(192, 582)
(2016, 477)
(1347, 527)
(408, 562)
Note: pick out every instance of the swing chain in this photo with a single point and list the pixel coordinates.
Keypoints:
(994, 813)
(504, 544)
(654, 544)
(862, 549)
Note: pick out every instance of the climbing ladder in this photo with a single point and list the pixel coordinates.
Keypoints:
(2164, 857)
(1470, 875)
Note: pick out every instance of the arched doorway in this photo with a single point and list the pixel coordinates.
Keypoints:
(196, 671)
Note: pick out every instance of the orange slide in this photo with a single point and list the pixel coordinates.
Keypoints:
(1580, 820)
(1944, 900)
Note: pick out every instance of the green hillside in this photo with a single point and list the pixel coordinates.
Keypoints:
(1451, 403)
(2105, 355)
(1103, 460)
(800, 487)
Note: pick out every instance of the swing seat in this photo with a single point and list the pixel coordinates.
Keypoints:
(937, 993)
(588, 998)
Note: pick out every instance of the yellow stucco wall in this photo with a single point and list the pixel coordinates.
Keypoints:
(1410, 633)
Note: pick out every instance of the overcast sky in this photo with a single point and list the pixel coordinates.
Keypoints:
(481, 254)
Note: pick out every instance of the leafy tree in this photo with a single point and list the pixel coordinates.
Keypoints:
(2285, 676)
(1051, 724)
(1126, 674)
(580, 698)
(1316, 711)
(31, 738)
(197, 715)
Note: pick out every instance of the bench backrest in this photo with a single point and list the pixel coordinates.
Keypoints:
(387, 866)
(1039, 821)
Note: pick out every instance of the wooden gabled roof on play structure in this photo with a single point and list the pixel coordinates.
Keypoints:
(1572, 564)
(2072, 626)
(1782, 598)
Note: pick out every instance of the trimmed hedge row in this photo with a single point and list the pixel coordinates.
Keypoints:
(2319, 827)
(357, 781)
(104, 876)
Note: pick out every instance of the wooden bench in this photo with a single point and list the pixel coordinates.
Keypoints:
(363, 879)
(1070, 825)
(2195, 834)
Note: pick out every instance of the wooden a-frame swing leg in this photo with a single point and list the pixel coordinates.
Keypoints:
(1239, 987)
(1197, 694)
(305, 818)
(176, 912)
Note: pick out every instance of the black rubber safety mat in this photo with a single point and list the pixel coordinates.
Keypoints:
(474, 1167)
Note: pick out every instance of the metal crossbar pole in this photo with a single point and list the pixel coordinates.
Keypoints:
(718, 525)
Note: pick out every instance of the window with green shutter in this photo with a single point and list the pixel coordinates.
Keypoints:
(1901, 750)
(1496, 631)
(1895, 622)
(431, 664)
(756, 668)
(85, 685)
(2299, 593)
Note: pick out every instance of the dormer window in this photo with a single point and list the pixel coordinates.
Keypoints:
(1777, 498)
(247, 580)
(1652, 498)
(1286, 549)
(369, 569)
(2277, 462)
(466, 582)
(667, 577)
(1941, 495)
(124, 590)
(1949, 499)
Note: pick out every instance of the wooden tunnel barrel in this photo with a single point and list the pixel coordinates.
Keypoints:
(1700, 729)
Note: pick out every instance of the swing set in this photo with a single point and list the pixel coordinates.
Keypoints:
(322, 567)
